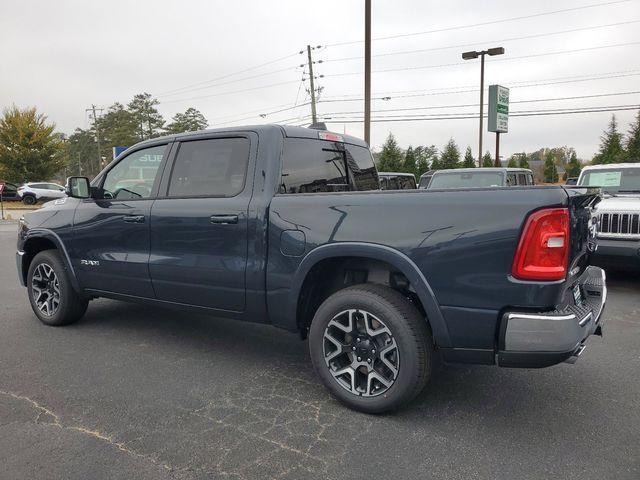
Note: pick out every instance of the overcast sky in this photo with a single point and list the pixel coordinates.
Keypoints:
(65, 55)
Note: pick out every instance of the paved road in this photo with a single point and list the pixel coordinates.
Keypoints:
(145, 393)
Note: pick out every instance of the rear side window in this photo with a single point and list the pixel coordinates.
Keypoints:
(511, 179)
(214, 167)
(310, 166)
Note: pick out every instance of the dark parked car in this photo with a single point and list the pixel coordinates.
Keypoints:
(282, 225)
(397, 181)
(571, 181)
(481, 177)
(10, 191)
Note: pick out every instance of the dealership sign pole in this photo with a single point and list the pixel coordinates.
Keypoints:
(498, 115)
(1, 202)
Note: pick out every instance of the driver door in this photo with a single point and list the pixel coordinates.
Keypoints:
(111, 239)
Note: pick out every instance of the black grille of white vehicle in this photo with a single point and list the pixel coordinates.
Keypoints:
(619, 224)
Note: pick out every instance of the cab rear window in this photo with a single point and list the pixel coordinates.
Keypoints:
(311, 166)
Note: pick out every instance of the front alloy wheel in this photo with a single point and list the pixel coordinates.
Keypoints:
(361, 353)
(46, 289)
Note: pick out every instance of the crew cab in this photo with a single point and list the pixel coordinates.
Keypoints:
(480, 177)
(282, 225)
(618, 213)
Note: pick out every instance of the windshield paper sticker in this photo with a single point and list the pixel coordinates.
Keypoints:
(605, 179)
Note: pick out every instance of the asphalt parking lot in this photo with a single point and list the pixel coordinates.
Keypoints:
(146, 393)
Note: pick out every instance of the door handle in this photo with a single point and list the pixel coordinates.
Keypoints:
(133, 218)
(224, 219)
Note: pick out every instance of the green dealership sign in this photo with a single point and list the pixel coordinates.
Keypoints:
(498, 109)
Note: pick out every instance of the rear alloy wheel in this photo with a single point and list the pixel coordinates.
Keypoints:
(371, 348)
(52, 297)
(29, 200)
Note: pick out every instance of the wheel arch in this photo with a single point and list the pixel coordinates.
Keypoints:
(375, 252)
(38, 240)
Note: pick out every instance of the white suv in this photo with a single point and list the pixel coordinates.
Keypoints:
(33, 191)
(618, 213)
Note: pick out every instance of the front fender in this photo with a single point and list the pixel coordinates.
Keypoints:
(30, 237)
(383, 253)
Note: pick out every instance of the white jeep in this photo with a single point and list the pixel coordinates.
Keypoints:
(618, 213)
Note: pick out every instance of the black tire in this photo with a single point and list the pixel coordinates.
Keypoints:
(406, 326)
(70, 307)
(29, 200)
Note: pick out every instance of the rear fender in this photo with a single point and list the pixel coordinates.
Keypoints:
(386, 254)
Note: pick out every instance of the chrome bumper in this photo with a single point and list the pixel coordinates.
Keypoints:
(544, 339)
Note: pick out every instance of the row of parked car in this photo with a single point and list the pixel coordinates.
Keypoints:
(458, 178)
(32, 192)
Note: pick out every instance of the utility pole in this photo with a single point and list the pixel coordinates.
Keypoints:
(95, 125)
(367, 71)
(314, 117)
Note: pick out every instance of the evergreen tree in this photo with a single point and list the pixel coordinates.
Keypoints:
(83, 153)
(192, 120)
(30, 150)
(436, 164)
(513, 163)
(469, 161)
(523, 160)
(148, 120)
(486, 160)
(391, 157)
(450, 157)
(573, 167)
(118, 128)
(611, 150)
(632, 152)
(550, 170)
(425, 157)
(409, 165)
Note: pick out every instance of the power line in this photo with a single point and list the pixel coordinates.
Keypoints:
(222, 77)
(230, 92)
(463, 45)
(470, 90)
(435, 107)
(480, 24)
(465, 116)
(508, 59)
(259, 75)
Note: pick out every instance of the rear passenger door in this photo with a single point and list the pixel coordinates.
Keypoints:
(199, 223)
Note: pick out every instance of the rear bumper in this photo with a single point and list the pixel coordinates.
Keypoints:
(535, 340)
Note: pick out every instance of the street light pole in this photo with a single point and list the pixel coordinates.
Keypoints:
(481, 54)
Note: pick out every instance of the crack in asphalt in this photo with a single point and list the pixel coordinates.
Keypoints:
(42, 410)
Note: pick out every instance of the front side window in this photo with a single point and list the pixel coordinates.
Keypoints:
(214, 167)
(310, 166)
(133, 177)
(522, 179)
(511, 179)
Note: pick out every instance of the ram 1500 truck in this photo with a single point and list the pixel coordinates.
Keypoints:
(288, 226)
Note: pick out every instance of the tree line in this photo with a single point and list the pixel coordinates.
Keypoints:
(31, 149)
(546, 162)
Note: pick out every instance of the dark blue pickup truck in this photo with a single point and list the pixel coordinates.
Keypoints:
(288, 226)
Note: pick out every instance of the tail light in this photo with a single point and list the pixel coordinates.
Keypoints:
(543, 250)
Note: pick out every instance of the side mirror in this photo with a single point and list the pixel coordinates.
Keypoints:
(78, 187)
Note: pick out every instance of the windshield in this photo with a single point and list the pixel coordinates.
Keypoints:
(467, 180)
(613, 180)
